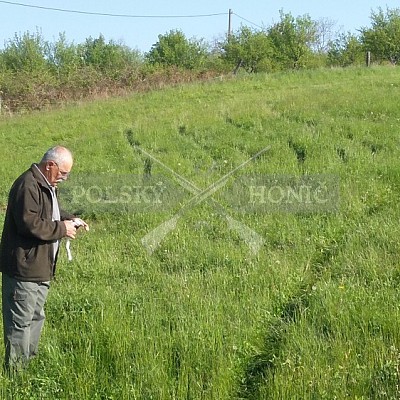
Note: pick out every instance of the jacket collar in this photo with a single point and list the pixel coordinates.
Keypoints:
(40, 178)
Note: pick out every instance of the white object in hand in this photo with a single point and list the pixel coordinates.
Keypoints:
(68, 247)
(77, 222)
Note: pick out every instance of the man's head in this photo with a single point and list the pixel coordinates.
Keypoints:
(56, 164)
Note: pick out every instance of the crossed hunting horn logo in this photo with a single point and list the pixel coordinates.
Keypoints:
(152, 240)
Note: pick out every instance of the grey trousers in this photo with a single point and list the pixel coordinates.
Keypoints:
(23, 319)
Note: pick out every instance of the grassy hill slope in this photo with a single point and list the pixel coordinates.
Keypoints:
(311, 314)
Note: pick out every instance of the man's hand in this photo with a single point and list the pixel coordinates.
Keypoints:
(80, 222)
(71, 229)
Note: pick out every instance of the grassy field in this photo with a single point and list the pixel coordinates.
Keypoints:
(312, 314)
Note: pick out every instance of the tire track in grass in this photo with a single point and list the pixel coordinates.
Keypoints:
(260, 368)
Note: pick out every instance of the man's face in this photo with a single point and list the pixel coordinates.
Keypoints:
(57, 172)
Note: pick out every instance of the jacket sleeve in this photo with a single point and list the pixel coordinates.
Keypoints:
(27, 214)
(64, 215)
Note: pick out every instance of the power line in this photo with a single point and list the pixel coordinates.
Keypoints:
(244, 19)
(109, 14)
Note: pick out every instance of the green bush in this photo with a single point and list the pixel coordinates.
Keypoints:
(174, 49)
(383, 38)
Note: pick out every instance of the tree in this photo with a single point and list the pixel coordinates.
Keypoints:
(383, 38)
(25, 53)
(344, 51)
(292, 40)
(250, 49)
(174, 49)
(324, 34)
(109, 58)
(63, 57)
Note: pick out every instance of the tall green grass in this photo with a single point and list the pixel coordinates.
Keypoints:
(313, 315)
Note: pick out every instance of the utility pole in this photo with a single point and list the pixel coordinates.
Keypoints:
(229, 23)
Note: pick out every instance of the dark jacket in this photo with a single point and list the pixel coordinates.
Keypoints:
(26, 248)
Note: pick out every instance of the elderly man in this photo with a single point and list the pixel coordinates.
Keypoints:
(33, 227)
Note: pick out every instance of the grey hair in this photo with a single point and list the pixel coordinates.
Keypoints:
(58, 154)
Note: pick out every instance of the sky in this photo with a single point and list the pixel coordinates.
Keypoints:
(137, 24)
